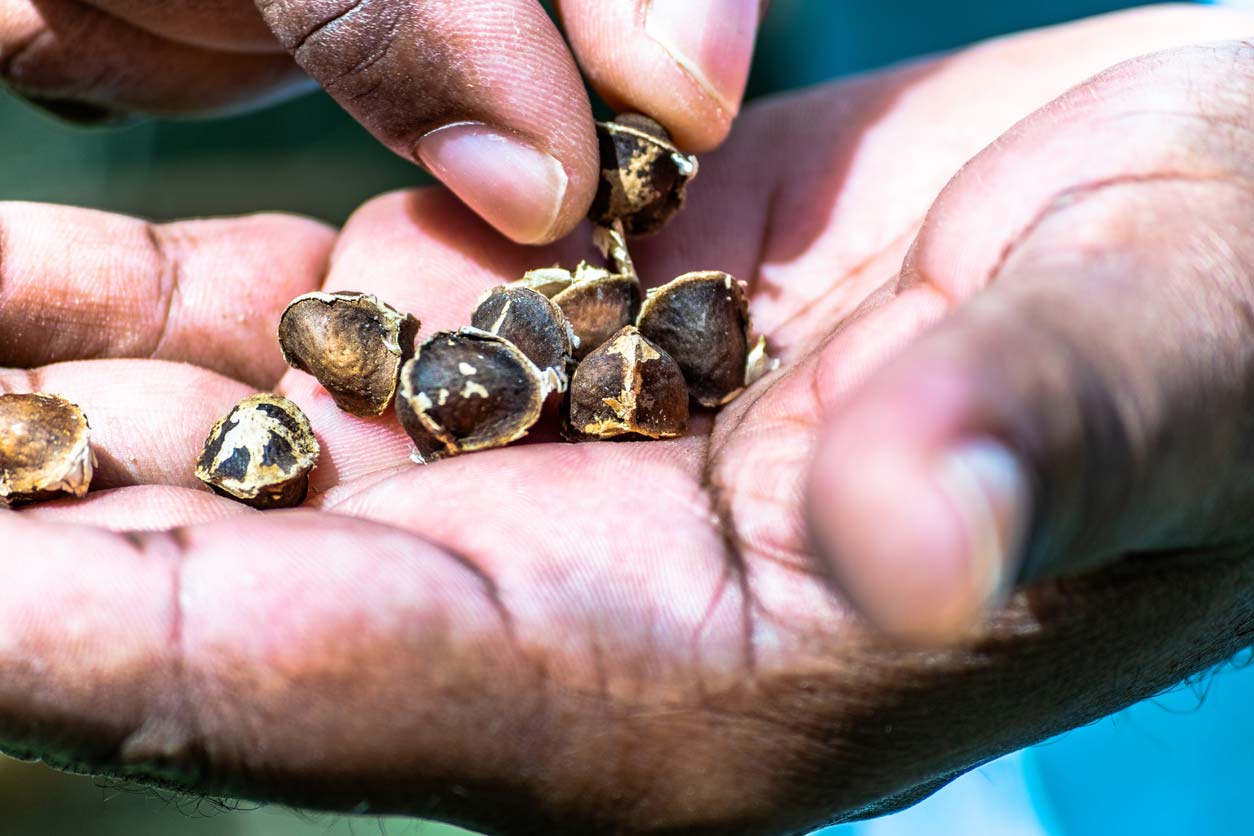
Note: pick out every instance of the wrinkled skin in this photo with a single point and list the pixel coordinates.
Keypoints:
(639, 637)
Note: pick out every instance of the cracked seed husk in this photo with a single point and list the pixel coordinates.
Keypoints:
(759, 363)
(354, 344)
(702, 320)
(628, 387)
(643, 175)
(260, 453)
(45, 449)
(531, 322)
(469, 390)
(596, 302)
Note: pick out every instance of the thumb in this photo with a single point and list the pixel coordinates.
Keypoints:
(1096, 401)
(483, 93)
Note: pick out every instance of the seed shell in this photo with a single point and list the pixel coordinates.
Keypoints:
(45, 449)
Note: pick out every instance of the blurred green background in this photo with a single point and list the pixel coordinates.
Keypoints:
(306, 156)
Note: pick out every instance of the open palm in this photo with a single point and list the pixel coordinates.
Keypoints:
(620, 637)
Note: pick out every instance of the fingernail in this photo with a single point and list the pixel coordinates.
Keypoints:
(512, 185)
(710, 39)
(988, 488)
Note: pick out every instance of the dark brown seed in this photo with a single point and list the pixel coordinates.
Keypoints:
(533, 323)
(628, 386)
(260, 453)
(596, 302)
(353, 343)
(596, 310)
(469, 390)
(45, 449)
(702, 320)
(643, 175)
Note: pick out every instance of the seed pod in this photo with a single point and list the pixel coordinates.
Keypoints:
(531, 322)
(353, 343)
(628, 386)
(260, 453)
(643, 175)
(596, 302)
(468, 390)
(45, 449)
(702, 320)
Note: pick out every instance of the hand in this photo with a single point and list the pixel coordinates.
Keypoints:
(484, 93)
(639, 637)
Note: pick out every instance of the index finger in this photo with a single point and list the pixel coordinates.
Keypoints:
(78, 284)
(484, 93)
(683, 62)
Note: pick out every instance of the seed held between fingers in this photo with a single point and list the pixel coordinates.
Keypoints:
(643, 175)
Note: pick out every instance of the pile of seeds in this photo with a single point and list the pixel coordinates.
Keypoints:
(615, 363)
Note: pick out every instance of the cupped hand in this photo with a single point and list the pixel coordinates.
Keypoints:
(646, 637)
(484, 93)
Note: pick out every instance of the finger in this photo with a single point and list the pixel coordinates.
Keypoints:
(683, 62)
(78, 284)
(827, 155)
(139, 508)
(210, 672)
(1094, 402)
(148, 418)
(76, 57)
(227, 25)
(483, 93)
(182, 659)
(425, 646)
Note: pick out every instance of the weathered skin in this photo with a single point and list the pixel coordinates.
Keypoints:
(353, 343)
(45, 449)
